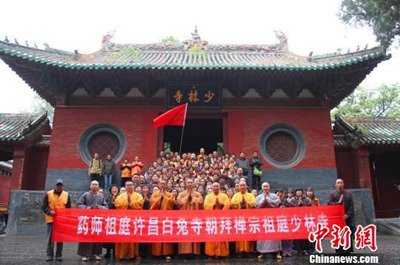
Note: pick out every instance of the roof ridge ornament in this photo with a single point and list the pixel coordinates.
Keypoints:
(195, 41)
(195, 34)
(106, 43)
(283, 39)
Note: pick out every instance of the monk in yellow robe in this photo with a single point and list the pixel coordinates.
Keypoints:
(217, 201)
(128, 200)
(162, 200)
(243, 200)
(189, 200)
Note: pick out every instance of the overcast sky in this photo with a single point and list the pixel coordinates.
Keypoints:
(311, 25)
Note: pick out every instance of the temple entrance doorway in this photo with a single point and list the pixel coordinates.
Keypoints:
(198, 133)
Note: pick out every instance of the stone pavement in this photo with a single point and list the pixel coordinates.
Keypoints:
(26, 250)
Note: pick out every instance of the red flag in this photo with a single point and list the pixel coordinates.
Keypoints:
(175, 116)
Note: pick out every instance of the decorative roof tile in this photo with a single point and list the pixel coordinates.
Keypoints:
(6, 167)
(43, 141)
(17, 127)
(368, 131)
(163, 56)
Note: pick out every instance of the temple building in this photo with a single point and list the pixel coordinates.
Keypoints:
(24, 150)
(368, 156)
(241, 98)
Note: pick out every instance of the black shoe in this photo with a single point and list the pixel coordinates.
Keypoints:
(49, 258)
(59, 258)
(107, 256)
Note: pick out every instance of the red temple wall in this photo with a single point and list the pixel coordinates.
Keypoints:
(345, 166)
(246, 126)
(71, 122)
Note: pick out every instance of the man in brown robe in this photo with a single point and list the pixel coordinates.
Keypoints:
(128, 200)
(189, 200)
(162, 200)
(342, 196)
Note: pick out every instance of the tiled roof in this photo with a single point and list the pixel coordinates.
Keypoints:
(6, 167)
(43, 141)
(340, 141)
(161, 56)
(17, 127)
(368, 131)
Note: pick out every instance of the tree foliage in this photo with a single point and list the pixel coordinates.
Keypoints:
(383, 16)
(170, 40)
(383, 101)
(40, 106)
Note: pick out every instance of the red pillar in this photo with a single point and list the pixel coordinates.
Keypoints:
(362, 168)
(18, 167)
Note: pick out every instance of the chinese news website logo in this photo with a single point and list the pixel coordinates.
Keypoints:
(341, 237)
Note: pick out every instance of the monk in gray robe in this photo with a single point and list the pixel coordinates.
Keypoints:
(268, 200)
(91, 200)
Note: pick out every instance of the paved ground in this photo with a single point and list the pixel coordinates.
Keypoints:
(31, 250)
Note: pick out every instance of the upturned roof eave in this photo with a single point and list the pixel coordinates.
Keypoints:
(364, 139)
(26, 130)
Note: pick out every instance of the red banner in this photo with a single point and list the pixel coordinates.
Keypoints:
(82, 225)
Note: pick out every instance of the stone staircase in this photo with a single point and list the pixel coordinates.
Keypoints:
(388, 226)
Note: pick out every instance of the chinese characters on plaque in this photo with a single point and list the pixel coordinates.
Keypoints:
(197, 95)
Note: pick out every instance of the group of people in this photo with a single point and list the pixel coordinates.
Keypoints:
(190, 182)
(205, 169)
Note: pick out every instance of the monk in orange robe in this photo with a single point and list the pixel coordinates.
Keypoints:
(243, 200)
(189, 200)
(128, 200)
(217, 201)
(162, 200)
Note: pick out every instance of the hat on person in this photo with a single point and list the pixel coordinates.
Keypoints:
(59, 181)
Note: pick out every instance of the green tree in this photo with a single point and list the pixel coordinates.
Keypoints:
(383, 16)
(40, 106)
(170, 40)
(383, 101)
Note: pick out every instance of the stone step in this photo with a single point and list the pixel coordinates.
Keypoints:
(388, 226)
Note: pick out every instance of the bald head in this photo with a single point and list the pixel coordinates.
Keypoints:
(265, 187)
(163, 184)
(189, 183)
(339, 184)
(242, 186)
(216, 188)
(94, 186)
